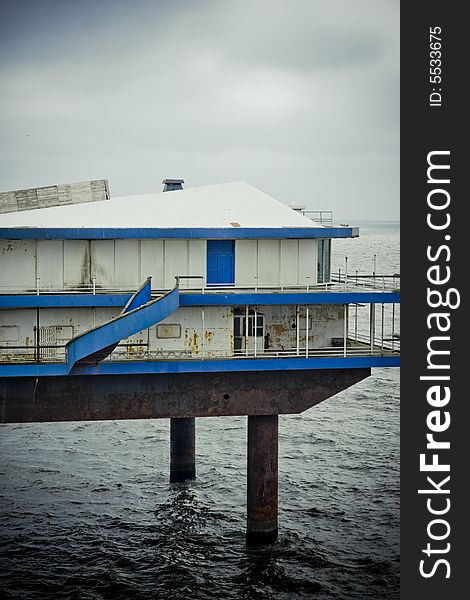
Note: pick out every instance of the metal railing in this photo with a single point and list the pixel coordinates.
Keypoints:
(340, 281)
(353, 349)
(323, 217)
(364, 330)
(366, 282)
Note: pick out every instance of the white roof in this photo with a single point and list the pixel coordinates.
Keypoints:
(229, 205)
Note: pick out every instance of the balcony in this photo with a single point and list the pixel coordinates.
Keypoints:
(367, 330)
(190, 284)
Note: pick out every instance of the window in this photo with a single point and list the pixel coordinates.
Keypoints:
(168, 331)
(9, 333)
(323, 261)
(239, 326)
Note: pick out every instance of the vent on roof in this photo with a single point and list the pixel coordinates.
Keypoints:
(54, 195)
(172, 184)
(297, 207)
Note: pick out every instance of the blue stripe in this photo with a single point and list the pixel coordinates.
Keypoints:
(289, 298)
(62, 300)
(202, 366)
(189, 299)
(100, 233)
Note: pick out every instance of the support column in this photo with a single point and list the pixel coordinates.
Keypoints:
(182, 449)
(262, 479)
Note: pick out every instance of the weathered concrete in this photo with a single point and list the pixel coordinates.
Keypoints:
(182, 449)
(54, 195)
(262, 480)
(180, 395)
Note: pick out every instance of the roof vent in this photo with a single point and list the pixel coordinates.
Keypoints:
(297, 207)
(172, 184)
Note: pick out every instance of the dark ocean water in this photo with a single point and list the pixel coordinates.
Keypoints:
(87, 510)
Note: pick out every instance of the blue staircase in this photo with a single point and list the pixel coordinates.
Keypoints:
(94, 345)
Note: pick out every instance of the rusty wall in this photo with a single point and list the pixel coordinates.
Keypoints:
(76, 398)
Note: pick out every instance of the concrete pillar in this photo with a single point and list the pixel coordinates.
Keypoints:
(262, 480)
(182, 449)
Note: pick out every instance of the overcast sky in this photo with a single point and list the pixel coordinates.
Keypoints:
(299, 98)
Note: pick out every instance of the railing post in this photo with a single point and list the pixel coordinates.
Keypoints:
(372, 327)
(38, 340)
(246, 330)
(306, 332)
(93, 281)
(255, 331)
(355, 324)
(382, 337)
(203, 335)
(375, 268)
(37, 285)
(297, 321)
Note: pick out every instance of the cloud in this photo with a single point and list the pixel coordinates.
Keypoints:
(297, 98)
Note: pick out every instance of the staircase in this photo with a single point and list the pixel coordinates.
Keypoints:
(94, 345)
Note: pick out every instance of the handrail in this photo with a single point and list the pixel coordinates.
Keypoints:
(97, 343)
(145, 292)
(339, 282)
(324, 217)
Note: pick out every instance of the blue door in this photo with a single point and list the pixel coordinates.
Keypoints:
(220, 262)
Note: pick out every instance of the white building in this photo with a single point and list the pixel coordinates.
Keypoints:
(254, 283)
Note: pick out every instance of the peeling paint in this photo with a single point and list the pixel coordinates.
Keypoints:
(191, 341)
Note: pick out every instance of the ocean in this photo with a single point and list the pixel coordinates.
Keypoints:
(87, 510)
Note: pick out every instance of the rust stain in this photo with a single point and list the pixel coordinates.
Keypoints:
(170, 395)
(192, 341)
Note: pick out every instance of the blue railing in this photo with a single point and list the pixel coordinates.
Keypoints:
(96, 344)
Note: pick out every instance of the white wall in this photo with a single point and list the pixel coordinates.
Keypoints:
(17, 329)
(246, 262)
(151, 262)
(77, 263)
(325, 322)
(289, 262)
(125, 264)
(102, 262)
(17, 265)
(50, 263)
(269, 262)
(307, 262)
(275, 262)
